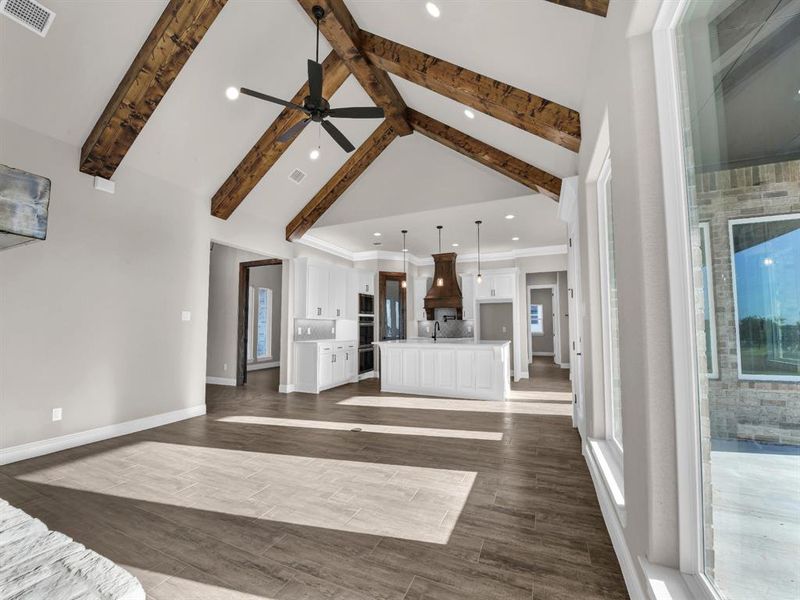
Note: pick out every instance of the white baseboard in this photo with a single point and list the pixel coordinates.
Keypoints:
(564, 365)
(81, 438)
(221, 381)
(543, 354)
(368, 375)
(615, 529)
(263, 365)
(286, 388)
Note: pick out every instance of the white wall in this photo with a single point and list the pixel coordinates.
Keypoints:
(90, 319)
(622, 83)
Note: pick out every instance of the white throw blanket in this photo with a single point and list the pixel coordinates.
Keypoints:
(36, 563)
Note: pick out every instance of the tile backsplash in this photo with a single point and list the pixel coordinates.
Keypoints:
(314, 329)
(449, 329)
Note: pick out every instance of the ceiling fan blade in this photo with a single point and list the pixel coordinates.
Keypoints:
(315, 82)
(293, 131)
(338, 136)
(357, 112)
(261, 96)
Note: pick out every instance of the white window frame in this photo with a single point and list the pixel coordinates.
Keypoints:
(731, 223)
(705, 227)
(268, 325)
(681, 296)
(605, 295)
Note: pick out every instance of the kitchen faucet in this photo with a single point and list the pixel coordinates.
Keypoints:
(436, 327)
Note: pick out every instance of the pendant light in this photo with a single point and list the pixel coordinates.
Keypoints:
(404, 283)
(478, 226)
(440, 280)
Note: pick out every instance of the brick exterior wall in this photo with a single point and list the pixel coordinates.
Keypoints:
(764, 411)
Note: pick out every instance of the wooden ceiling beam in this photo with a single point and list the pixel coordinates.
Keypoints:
(342, 33)
(268, 149)
(551, 121)
(502, 162)
(595, 7)
(338, 184)
(179, 30)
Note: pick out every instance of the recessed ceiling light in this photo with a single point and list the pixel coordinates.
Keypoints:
(232, 93)
(768, 261)
(469, 114)
(377, 234)
(405, 249)
(509, 217)
(455, 245)
(433, 10)
(515, 239)
(314, 154)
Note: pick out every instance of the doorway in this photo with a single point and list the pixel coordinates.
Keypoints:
(542, 322)
(256, 329)
(496, 322)
(392, 298)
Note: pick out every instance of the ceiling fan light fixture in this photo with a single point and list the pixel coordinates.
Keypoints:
(433, 10)
(232, 93)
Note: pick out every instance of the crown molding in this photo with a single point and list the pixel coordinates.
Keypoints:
(322, 245)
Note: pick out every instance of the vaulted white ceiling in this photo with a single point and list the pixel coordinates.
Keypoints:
(59, 85)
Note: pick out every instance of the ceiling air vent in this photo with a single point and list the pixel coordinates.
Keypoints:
(28, 13)
(297, 176)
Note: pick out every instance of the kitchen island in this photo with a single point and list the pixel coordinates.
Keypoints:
(454, 368)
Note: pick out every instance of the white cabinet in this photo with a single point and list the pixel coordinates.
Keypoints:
(338, 297)
(325, 291)
(325, 364)
(468, 296)
(421, 287)
(366, 282)
(496, 285)
(317, 302)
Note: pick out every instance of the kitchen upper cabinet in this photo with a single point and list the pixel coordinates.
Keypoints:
(325, 291)
(366, 282)
(317, 297)
(468, 296)
(338, 296)
(496, 285)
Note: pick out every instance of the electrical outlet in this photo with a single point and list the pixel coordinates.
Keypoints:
(225, 367)
(299, 331)
(504, 329)
(186, 315)
(308, 330)
(57, 413)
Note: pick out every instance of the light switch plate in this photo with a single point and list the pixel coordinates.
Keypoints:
(57, 413)
(186, 315)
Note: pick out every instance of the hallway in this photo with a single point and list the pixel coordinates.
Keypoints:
(276, 497)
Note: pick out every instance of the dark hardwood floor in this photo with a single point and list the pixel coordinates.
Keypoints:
(273, 496)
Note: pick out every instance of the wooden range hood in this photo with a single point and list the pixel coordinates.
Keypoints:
(447, 295)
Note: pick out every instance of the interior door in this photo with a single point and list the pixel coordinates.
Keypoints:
(392, 306)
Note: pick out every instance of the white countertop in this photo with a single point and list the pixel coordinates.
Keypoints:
(444, 342)
(324, 341)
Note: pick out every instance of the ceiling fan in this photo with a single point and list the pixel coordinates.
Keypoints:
(315, 106)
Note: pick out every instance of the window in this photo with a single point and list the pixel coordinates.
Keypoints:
(710, 327)
(728, 103)
(765, 255)
(264, 324)
(610, 320)
(537, 322)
